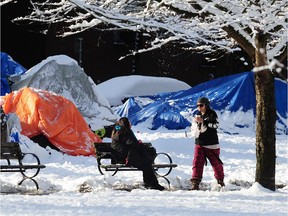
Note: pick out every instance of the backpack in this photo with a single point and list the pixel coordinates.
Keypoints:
(105, 132)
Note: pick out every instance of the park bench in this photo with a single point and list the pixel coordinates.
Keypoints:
(107, 161)
(13, 160)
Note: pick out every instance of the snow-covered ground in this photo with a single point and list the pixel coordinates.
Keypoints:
(73, 186)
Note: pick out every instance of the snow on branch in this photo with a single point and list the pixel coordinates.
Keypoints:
(274, 66)
(3, 2)
(202, 23)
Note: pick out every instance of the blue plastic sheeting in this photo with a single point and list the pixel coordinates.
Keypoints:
(8, 67)
(161, 114)
(131, 108)
(281, 89)
(231, 93)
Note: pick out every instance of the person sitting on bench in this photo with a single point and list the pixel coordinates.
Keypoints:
(129, 149)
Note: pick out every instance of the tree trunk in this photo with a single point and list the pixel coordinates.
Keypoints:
(265, 118)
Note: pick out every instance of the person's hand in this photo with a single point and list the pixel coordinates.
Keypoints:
(198, 119)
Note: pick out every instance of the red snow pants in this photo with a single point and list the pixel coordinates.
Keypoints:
(200, 155)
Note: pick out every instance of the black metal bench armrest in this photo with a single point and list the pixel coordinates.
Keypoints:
(12, 151)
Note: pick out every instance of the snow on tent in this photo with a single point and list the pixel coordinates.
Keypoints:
(62, 75)
(227, 94)
(136, 85)
(9, 67)
(54, 116)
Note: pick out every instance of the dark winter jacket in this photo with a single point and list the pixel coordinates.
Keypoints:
(209, 137)
(126, 147)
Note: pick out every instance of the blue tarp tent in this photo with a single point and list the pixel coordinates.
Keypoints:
(8, 67)
(230, 93)
(159, 113)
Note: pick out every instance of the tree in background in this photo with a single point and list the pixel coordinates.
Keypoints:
(259, 27)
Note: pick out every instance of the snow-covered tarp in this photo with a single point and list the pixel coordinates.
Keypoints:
(227, 94)
(44, 112)
(9, 67)
(137, 85)
(62, 75)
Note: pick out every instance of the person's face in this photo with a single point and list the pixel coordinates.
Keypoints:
(201, 107)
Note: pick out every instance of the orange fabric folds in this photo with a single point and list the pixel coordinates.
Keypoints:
(55, 117)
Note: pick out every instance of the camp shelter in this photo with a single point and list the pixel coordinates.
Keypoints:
(125, 87)
(158, 112)
(9, 67)
(227, 94)
(54, 116)
(62, 75)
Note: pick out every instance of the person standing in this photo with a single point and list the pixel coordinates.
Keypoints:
(128, 148)
(206, 144)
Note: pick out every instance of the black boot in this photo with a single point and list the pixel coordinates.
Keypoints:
(154, 186)
(195, 184)
(151, 181)
(221, 182)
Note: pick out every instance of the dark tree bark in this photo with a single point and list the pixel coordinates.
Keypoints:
(265, 118)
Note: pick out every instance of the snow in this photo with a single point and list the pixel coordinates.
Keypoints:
(72, 185)
(64, 176)
(137, 85)
(60, 59)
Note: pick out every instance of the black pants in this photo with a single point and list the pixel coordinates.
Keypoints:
(149, 176)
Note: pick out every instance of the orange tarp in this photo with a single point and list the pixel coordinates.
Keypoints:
(55, 117)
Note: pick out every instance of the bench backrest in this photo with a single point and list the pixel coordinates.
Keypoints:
(10, 150)
(106, 146)
(103, 147)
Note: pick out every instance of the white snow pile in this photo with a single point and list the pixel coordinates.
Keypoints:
(136, 85)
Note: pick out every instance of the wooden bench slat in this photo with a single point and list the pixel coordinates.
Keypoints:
(125, 166)
(22, 167)
(164, 165)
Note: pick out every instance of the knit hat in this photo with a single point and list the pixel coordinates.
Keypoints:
(203, 100)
